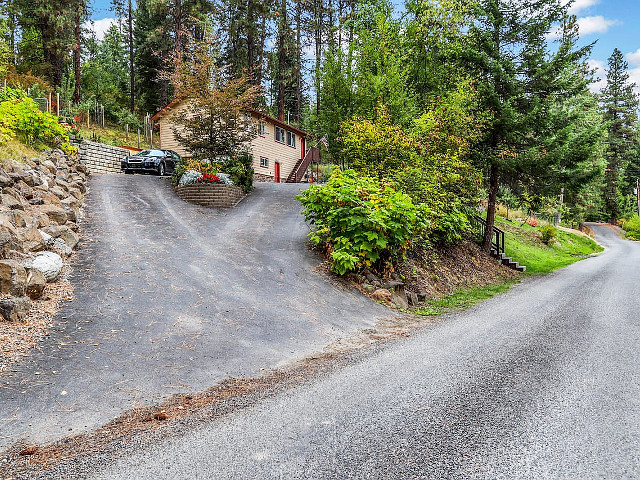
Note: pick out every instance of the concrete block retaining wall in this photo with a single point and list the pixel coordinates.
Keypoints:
(211, 195)
(101, 158)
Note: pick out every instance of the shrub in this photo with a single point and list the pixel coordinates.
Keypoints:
(632, 228)
(548, 234)
(189, 177)
(21, 118)
(360, 222)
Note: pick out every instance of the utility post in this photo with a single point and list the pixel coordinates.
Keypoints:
(559, 213)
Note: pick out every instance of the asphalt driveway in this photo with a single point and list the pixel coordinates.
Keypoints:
(172, 297)
(541, 382)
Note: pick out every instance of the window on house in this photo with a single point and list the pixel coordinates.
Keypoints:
(291, 139)
(264, 162)
(280, 134)
(262, 128)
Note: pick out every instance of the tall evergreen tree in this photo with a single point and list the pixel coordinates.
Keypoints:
(519, 79)
(620, 105)
(55, 22)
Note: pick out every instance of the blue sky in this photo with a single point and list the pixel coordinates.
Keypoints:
(613, 23)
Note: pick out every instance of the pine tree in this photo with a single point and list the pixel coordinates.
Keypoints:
(55, 22)
(620, 104)
(519, 79)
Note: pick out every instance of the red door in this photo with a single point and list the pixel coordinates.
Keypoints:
(277, 171)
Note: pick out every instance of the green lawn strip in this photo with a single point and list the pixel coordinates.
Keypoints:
(463, 299)
(523, 244)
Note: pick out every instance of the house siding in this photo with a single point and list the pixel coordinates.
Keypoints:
(266, 146)
(261, 146)
(167, 138)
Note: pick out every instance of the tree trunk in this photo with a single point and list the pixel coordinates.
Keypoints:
(298, 108)
(132, 83)
(318, 22)
(491, 208)
(263, 40)
(251, 47)
(282, 60)
(76, 59)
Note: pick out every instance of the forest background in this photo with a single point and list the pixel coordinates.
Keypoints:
(494, 99)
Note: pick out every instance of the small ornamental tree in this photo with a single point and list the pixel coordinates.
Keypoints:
(219, 121)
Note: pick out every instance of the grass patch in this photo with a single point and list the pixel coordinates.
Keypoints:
(114, 136)
(463, 299)
(523, 243)
(13, 149)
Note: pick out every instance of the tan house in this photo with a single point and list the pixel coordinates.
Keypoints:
(280, 152)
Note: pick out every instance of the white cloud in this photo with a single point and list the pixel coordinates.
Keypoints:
(634, 58)
(634, 77)
(580, 5)
(600, 74)
(100, 27)
(597, 24)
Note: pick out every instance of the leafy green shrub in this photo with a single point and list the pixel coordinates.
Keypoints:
(240, 169)
(548, 234)
(362, 223)
(632, 228)
(21, 118)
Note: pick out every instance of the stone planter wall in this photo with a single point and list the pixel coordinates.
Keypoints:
(211, 195)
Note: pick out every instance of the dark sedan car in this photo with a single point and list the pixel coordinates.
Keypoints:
(160, 162)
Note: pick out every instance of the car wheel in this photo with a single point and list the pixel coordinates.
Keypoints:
(128, 172)
(161, 170)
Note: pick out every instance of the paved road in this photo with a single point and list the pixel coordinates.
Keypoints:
(173, 297)
(541, 382)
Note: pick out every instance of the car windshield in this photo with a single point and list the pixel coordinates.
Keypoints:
(150, 153)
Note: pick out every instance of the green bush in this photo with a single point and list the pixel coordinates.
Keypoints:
(632, 228)
(20, 118)
(548, 234)
(361, 222)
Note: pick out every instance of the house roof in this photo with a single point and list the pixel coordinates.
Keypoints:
(166, 109)
(280, 123)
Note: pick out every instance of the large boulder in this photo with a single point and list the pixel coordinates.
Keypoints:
(5, 180)
(11, 201)
(50, 198)
(9, 239)
(56, 244)
(22, 219)
(36, 283)
(59, 192)
(14, 309)
(56, 214)
(32, 240)
(13, 278)
(64, 233)
(49, 263)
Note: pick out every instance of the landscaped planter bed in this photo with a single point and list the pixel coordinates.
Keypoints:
(211, 194)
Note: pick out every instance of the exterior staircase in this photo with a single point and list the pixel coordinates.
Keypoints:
(312, 155)
(497, 244)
